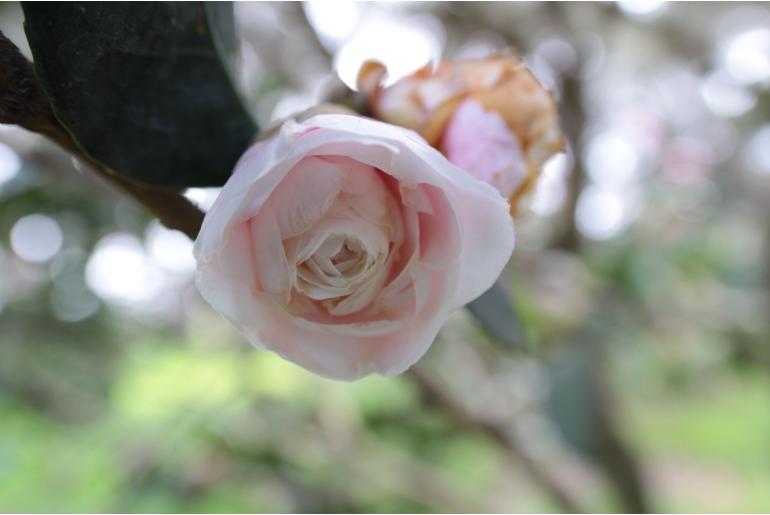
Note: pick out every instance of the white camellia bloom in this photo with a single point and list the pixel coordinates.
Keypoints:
(344, 243)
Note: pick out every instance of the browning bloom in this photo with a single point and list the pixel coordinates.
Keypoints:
(490, 116)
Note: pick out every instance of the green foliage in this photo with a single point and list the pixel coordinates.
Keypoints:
(495, 313)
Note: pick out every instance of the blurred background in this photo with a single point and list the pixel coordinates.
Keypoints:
(640, 378)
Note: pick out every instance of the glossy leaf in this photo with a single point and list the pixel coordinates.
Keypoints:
(144, 87)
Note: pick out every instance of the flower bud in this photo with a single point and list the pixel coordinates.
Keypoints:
(489, 116)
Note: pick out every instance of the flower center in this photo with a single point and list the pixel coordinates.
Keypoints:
(335, 267)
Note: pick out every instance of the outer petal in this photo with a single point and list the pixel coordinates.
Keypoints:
(258, 172)
(350, 356)
(346, 351)
(342, 353)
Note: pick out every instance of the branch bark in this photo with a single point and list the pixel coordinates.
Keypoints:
(520, 457)
(24, 103)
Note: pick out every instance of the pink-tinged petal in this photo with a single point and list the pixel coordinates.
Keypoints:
(227, 280)
(272, 271)
(399, 152)
(305, 195)
(349, 356)
(480, 142)
(445, 244)
(440, 231)
(256, 175)
(487, 229)
(428, 99)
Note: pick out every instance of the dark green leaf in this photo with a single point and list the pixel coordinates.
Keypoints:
(495, 313)
(572, 403)
(144, 87)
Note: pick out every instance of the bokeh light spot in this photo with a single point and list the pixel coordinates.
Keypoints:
(641, 8)
(202, 197)
(332, 24)
(746, 56)
(600, 213)
(726, 97)
(551, 190)
(611, 159)
(758, 150)
(120, 271)
(402, 45)
(172, 250)
(10, 163)
(36, 238)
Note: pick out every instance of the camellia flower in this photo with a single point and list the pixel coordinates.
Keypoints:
(490, 116)
(343, 244)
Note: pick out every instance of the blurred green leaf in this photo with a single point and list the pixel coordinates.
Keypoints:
(144, 88)
(572, 402)
(495, 313)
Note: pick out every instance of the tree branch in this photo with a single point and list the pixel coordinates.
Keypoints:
(436, 396)
(24, 103)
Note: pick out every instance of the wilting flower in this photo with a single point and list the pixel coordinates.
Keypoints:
(343, 244)
(490, 116)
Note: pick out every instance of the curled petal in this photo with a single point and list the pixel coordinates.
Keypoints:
(480, 142)
(507, 145)
(343, 244)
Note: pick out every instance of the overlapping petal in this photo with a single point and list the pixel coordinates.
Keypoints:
(343, 244)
